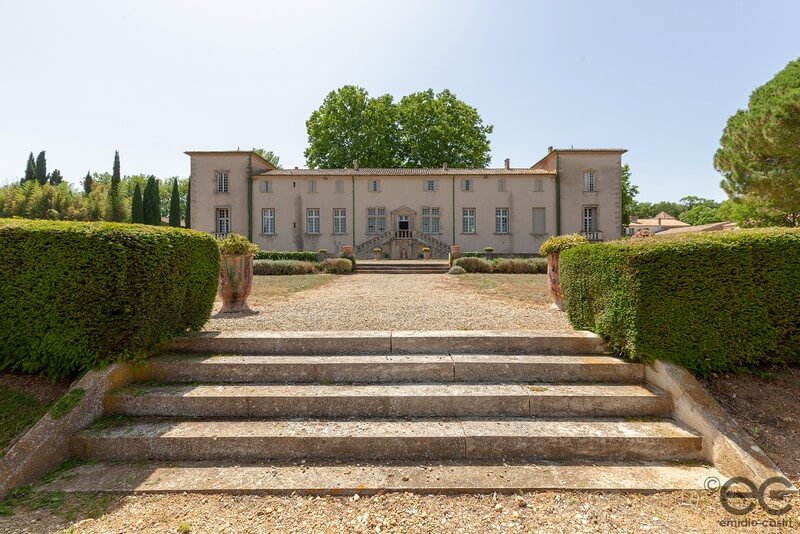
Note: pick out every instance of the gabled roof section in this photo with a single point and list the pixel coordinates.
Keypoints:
(407, 172)
(229, 153)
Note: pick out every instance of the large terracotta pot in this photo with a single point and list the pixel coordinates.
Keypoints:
(426, 254)
(553, 282)
(235, 282)
(455, 253)
(347, 249)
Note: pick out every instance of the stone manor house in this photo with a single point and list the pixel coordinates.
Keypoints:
(402, 211)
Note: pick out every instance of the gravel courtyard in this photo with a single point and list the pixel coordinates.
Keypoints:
(396, 302)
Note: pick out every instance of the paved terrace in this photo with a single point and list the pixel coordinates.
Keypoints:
(397, 302)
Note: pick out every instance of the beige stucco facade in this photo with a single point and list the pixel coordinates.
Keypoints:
(401, 211)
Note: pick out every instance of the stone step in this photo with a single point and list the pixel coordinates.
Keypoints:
(367, 479)
(389, 400)
(388, 342)
(401, 271)
(391, 369)
(398, 439)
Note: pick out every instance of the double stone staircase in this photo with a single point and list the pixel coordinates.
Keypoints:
(427, 412)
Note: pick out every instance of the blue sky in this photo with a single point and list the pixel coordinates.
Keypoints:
(154, 78)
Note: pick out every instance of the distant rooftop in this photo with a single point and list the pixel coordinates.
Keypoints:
(440, 171)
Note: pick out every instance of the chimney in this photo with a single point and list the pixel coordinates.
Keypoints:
(444, 166)
(355, 164)
(549, 149)
(508, 163)
(634, 218)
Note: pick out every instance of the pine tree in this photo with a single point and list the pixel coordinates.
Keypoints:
(137, 208)
(188, 204)
(151, 203)
(30, 169)
(55, 177)
(175, 206)
(115, 204)
(88, 183)
(41, 168)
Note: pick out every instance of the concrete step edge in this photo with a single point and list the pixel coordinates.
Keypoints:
(348, 479)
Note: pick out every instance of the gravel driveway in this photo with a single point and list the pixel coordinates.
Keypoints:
(403, 302)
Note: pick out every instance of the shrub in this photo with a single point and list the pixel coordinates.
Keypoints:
(712, 302)
(474, 265)
(322, 251)
(457, 269)
(426, 249)
(349, 257)
(488, 250)
(337, 266)
(76, 295)
(560, 243)
(301, 255)
(377, 250)
(282, 267)
(519, 266)
(236, 245)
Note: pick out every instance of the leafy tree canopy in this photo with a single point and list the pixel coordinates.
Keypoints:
(270, 156)
(629, 192)
(349, 125)
(759, 153)
(424, 129)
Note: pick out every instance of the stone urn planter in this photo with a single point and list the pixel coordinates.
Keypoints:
(347, 250)
(377, 253)
(235, 282)
(235, 272)
(426, 253)
(455, 253)
(551, 248)
(553, 282)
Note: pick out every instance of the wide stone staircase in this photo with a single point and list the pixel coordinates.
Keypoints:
(402, 267)
(359, 413)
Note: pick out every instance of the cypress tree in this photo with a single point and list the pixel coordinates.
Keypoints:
(88, 183)
(188, 203)
(175, 206)
(114, 196)
(137, 208)
(151, 203)
(41, 168)
(55, 177)
(30, 169)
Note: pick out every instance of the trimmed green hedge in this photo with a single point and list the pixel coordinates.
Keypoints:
(336, 266)
(282, 267)
(473, 265)
(75, 295)
(301, 255)
(721, 301)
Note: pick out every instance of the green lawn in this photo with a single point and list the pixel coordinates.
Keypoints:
(527, 288)
(268, 289)
(18, 411)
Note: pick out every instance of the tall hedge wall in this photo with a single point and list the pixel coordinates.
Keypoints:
(74, 295)
(711, 302)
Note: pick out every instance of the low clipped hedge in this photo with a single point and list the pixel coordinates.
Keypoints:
(301, 255)
(712, 302)
(519, 266)
(282, 267)
(473, 265)
(336, 266)
(76, 295)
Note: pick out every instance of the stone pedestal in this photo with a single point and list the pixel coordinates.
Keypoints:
(553, 281)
